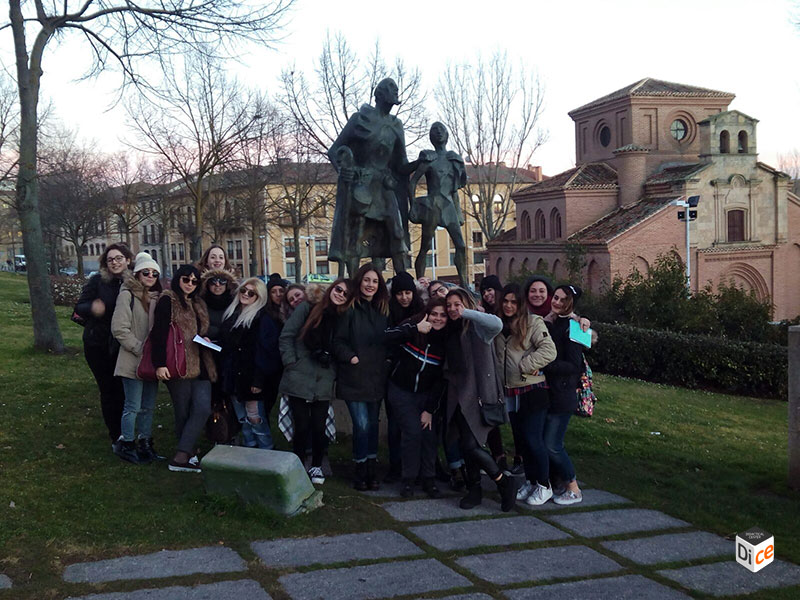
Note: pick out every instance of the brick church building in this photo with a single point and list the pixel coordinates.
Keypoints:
(637, 150)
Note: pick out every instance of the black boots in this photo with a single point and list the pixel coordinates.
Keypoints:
(372, 481)
(147, 453)
(507, 486)
(394, 475)
(360, 479)
(473, 497)
(127, 451)
(408, 488)
(458, 478)
(429, 487)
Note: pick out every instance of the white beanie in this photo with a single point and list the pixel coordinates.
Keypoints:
(145, 261)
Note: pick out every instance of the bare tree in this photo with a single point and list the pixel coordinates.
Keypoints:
(195, 123)
(323, 102)
(119, 34)
(789, 163)
(492, 110)
(129, 177)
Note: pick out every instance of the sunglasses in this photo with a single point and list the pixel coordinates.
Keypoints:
(188, 280)
(149, 273)
(218, 281)
(116, 259)
(247, 292)
(340, 290)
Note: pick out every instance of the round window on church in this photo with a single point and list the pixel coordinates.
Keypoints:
(605, 136)
(678, 129)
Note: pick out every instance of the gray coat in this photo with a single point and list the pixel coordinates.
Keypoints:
(479, 379)
(131, 326)
(303, 376)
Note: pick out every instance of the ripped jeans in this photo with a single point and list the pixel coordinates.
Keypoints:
(255, 435)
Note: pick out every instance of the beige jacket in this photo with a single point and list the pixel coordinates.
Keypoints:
(131, 326)
(516, 366)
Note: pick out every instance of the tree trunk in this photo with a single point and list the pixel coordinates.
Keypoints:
(197, 237)
(46, 334)
(256, 249)
(79, 259)
(298, 261)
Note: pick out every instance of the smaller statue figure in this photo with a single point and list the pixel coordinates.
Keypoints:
(445, 173)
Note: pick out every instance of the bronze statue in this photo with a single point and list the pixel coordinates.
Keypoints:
(371, 215)
(445, 173)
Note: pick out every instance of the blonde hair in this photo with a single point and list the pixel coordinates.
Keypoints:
(249, 312)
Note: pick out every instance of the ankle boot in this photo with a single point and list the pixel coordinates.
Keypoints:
(394, 475)
(372, 481)
(408, 489)
(507, 486)
(360, 478)
(472, 498)
(127, 451)
(457, 478)
(429, 487)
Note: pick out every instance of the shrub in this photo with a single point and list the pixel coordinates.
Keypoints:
(690, 360)
(66, 290)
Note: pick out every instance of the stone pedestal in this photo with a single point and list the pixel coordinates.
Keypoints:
(269, 477)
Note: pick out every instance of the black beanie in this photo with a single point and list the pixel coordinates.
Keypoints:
(403, 282)
(573, 290)
(275, 279)
(491, 281)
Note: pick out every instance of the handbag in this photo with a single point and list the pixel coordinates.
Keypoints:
(586, 397)
(176, 357)
(493, 415)
(223, 424)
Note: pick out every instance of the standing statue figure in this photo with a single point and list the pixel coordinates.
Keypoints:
(445, 173)
(371, 215)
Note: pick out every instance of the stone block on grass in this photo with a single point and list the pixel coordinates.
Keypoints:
(5, 582)
(600, 523)
(434, 510)
(629, 587)
(224, 590)
(671, 547)
(271, 478)
(730, 578)
(461, 535)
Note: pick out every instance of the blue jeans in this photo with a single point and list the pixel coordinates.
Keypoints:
(555, 427)
(254, 435)
(365, 429)
(137, 413)
(535, 454)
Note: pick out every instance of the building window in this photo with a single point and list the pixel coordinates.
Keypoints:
(288, 248)
(540, 227)
(742, 142)
(291, 270)
(605, 136)
(678, 129)
(555, 224)
(181, 252)
(174, 251)
(238, 249)
(724, 142)
(736, 226)
(478, 258)
(154, 254)
(477, 238)
(322, 267)
(321, 247)
(525, 224)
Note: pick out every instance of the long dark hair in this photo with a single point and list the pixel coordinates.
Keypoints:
(518, 322)
(175, 284)
(432, 303)
(397, 312)
(380, 300)
(202, 264)
(326, 305)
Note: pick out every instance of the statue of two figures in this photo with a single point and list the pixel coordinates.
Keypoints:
(372, 196)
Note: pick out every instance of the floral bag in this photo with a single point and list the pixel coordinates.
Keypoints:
(586, 397)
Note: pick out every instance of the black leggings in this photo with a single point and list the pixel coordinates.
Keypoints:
(309, 416)
(112, 397)
(476, 458)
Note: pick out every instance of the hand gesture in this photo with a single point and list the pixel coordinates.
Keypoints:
(585, 324)
(424, 326)
(162, 373)
(255, 390)
(98, 308)
(426, 420)
(354, 360)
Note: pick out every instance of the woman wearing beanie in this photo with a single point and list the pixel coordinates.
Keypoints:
(276, 290)
(563, 379)
(491, 292)
(130, 326)
(191, 394)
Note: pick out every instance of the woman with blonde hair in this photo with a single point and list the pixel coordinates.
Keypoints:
(248, 337)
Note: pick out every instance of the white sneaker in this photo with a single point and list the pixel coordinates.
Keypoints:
(568, 497)
(539, 495)
(316, 475)
(524, 491)
(194, 461)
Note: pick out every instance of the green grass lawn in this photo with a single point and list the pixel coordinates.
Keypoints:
(718, 462)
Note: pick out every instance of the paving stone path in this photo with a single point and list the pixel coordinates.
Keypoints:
(603, 548)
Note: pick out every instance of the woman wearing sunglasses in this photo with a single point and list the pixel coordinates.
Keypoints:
(249, 357)
(130, 326)
(191, 394)
(306, 345)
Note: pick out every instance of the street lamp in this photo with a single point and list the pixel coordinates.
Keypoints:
(686, 216)
(309, 239)
(263, 239)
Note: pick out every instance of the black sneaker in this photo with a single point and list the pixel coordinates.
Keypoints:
(429, 487)
(408, 489)
(185, 467)
(472, 499)
(147, 452)
(127, 451)
(507, 486)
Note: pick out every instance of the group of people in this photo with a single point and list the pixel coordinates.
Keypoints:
(449, 367)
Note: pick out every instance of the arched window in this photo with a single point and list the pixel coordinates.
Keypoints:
(539, 225)
(735, 225)
(154, 254)
(742, 142)
(511, 267)
(499, 266)
(724, 142)
(555, 224)
(525, 224)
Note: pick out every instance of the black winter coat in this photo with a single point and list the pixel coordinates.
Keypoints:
(419, 367)
(104, 286)
(250, 356)
(564, 373)
(360, 333)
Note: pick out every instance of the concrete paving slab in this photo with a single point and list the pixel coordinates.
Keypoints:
(293, 552)
(461, 535)
(464, 597)
(224, 590)
(384, 580)
(435, 510)
(5, 582)
(167, 563)
(392, 490)
(539, 564)
(600, 523)
(630, 587)
(590, 498)
(671, 547)
(729, 578)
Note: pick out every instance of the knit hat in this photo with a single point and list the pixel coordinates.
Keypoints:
(145, 261)
(403, 282)
(275, 279)
(572, 290)
(491, 281)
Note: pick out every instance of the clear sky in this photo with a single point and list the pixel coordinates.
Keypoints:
(582, 50)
